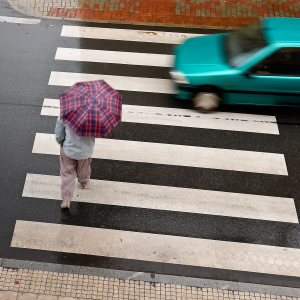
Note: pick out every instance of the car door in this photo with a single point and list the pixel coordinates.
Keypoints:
(273, 81)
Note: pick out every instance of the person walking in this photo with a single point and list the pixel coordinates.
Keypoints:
(75, 159)
(88, 110)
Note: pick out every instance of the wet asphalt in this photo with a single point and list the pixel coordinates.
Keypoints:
(26, 60)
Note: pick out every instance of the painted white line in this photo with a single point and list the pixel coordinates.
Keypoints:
(185, 118)
(114, 57)
(19, 20)
(168, 198)
(178, 155)
(126, 34)
(124, 83)
(157, 248)
(51, 107)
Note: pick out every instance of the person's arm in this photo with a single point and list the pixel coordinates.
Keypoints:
(60, 131)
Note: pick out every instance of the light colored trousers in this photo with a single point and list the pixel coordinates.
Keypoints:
(69, 168)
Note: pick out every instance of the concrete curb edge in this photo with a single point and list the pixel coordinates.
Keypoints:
(150, 277)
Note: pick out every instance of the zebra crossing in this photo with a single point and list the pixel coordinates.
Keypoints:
(124, 83)
(163, 247)
(125, 34)
(158, 248)
(149, 196)
(189, 156)
(115, 57)
(184, 117)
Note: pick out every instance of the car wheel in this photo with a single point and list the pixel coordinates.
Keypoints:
(206, 101)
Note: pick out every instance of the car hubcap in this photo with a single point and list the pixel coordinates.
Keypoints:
(206, 101)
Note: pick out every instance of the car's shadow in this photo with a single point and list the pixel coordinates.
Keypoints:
(284, 114)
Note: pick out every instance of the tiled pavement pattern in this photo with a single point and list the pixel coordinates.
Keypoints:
(24, 284)
(213, 13)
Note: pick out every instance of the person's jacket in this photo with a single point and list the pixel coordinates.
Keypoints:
(75, 146)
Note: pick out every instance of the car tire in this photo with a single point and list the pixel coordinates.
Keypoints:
(206, 101)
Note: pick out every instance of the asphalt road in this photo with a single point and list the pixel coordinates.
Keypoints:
(27, 58)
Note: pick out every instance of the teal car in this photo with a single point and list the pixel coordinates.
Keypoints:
(258, 64)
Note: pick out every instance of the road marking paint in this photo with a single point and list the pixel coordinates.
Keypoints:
(185, 118)
(124, 83)
(19, 20)
(114, 57)
(126, 34)
(156, 248)
(177, 155)
(147, 196)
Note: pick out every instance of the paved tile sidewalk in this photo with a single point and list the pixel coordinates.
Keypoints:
(212, 13)
(25, 284)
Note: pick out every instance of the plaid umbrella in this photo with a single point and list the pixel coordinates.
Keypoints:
(91, 108)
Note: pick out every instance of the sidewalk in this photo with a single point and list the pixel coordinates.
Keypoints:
(41, 281)
(204, 13)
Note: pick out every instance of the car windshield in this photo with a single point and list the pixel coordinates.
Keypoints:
(243, 43)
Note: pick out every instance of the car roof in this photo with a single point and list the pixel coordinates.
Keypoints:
(283, 30)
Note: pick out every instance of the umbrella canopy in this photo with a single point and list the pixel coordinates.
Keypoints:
(91, 108)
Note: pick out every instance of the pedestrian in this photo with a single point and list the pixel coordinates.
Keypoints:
(75, 159)
(88, 110)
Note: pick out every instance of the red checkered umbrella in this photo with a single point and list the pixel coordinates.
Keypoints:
(91, 108)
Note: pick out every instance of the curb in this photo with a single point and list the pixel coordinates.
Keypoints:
(151, 277)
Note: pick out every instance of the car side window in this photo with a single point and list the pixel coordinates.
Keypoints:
(284, 62)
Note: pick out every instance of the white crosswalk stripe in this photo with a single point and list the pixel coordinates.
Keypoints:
(157, 248)
(184, 249)
(126, 34)
(185, 117)
(28, 21)
(114, 57)
(174, 199)
(177, 155)
(123, 83)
